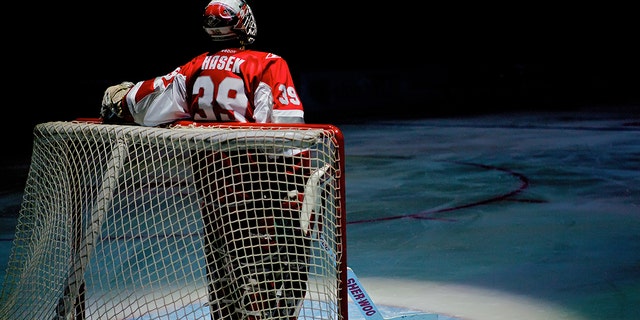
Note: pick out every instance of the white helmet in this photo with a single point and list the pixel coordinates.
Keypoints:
(230, 20)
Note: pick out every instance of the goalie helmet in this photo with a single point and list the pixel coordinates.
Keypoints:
(230, 20)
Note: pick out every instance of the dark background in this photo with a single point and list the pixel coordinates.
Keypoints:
(351, 60)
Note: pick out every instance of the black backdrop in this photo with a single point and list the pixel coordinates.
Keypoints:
(443, 59)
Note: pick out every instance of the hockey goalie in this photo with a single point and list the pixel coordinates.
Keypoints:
(255, 240)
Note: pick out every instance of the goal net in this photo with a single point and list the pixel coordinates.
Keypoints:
(192, 221)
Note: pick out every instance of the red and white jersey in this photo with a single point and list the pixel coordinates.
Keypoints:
(229, 85)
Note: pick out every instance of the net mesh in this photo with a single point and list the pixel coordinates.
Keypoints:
(189, 222)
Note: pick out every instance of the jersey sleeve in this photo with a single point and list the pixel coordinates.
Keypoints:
(163, 99)
(276, 98)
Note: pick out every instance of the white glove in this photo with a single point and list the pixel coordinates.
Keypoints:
(112, 100)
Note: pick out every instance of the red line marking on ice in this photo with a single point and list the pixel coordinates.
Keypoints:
(425, 215)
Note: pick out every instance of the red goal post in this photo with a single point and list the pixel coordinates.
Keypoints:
(196, 220)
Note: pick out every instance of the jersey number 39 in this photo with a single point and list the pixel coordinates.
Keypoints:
(228, 101)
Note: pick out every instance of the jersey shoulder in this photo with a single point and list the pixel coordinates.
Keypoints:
(248, 54)
(260, 54)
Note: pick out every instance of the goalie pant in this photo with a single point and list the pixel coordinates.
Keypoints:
(256, 252)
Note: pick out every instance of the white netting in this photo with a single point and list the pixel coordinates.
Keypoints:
(190, 222)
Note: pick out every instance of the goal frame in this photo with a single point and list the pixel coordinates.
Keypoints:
(114, 165)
